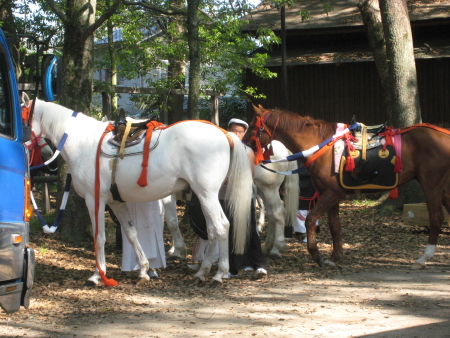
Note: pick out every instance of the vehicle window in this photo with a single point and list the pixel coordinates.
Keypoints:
(6, 120)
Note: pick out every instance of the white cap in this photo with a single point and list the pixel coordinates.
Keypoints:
(238, 121)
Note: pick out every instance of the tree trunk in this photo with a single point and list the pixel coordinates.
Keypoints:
(113, 70)
(78, 68)
(177, 69)
(390, 38)
(194, 59)
(371, 16)
(402, 73)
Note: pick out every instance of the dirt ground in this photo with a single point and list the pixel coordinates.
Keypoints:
(372, 293)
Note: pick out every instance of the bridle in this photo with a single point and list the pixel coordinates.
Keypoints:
(254, 141)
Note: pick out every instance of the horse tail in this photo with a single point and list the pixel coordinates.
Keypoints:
(291, 193)
(239, 194)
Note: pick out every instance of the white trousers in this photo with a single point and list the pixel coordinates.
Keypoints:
(148, 219)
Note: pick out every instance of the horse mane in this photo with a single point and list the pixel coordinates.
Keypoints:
(295, 123)
(56, 117)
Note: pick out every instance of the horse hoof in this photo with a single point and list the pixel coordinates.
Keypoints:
(417, 266)
(214, 284)
(142, 280)
(90, 284)
(319, 261)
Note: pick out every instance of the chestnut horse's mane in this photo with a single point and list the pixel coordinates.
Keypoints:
(295, 123)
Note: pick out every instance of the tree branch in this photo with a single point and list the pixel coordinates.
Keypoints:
(60, 14)
(105, 16)
(155, 8)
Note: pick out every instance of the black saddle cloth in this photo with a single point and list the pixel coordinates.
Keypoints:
(376, 172)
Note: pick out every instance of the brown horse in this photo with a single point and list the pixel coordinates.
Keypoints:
(425, 156)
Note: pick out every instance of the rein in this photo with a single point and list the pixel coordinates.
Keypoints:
(313, 153)
(259, 127)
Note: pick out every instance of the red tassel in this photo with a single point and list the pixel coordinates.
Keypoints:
(268, 151)
(393, 195)
(108, 281)
(258, 154)
(142, 181)
(259, 157)
(350, 164)
(398, 164)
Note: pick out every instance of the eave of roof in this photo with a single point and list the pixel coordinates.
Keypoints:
(345, 15)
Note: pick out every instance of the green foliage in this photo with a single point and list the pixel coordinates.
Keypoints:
(149, 38)
(229, 107)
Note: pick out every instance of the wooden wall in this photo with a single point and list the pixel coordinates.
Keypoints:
(336, 92)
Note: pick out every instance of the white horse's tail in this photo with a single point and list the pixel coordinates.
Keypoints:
(239, 194)
(291, 193)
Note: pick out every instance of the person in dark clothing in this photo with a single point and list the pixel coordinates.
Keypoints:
(307, 200)
(253, 257)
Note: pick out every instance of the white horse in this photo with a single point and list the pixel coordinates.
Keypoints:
(268, 185)
(279, 214)
(190, 153)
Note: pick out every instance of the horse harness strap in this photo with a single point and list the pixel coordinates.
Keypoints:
(124, 138)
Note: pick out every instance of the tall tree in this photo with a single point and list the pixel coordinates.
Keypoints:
(79, 20)
(194, 57)
(390, 36)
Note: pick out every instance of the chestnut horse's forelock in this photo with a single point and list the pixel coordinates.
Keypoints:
(295, 123)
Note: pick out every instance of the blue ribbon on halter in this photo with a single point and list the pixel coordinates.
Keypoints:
(306, 153)
(58, 149)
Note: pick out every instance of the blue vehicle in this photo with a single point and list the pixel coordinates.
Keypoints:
(17, 260)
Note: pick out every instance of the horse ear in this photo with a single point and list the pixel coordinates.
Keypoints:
(258, 110)
(24, 100)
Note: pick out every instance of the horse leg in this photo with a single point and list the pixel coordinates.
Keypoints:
(178, 249)
(435, 200)
(329, 201)
(95, 279)
(123, 215)
(276, 215)
(262, 209)
(217, 227)
(335, 230)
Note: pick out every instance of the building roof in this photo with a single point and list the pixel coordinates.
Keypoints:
(345, 14)
(345, 18)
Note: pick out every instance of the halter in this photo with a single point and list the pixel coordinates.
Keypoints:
(259, 127)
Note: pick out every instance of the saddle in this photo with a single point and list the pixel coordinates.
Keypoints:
(373, 162)
(129, 132)
(131, 129)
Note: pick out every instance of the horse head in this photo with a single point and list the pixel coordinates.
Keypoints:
(259, 135)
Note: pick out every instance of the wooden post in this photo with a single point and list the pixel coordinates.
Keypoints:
(165, 113)
(45, 197)
(215, 109)
(106, 105)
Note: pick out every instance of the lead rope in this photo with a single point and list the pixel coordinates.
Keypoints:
(105, 280)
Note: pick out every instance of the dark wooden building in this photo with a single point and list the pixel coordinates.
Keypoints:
(331, 74)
